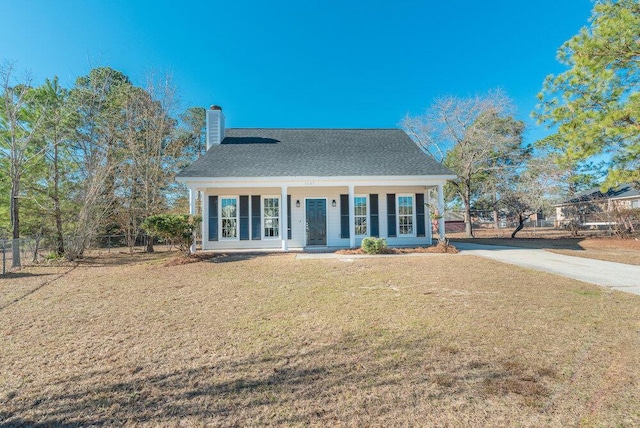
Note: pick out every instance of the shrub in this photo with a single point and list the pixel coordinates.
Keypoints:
(573, 226)
(374, 245)
(53, 257)
(173, 227)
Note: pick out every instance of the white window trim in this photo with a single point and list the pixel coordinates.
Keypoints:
(368, 215)
(413, 211)
(262, 198)
(237, 198)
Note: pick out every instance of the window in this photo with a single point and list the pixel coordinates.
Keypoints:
(229, 217)
(635, 204)
(271, 217)
(360, 215)
(405, 215)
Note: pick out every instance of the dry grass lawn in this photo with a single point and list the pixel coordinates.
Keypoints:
(433, 340)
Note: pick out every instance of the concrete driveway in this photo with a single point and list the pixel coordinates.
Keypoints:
(617, 276)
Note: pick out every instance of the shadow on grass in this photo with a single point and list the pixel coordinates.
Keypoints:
(37, 287)
(238, 257)
(530, 243)
(168, 258)
(350, 381)
(17, 275)
(124, 258)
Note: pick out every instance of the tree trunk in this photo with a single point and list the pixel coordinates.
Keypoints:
(521, 220)
(146, 215)
(468, 227)
(150, 244)
(148, 202)
(37, 238)
(496, 215)
(130, 236)
(15, 222)
(56, 203)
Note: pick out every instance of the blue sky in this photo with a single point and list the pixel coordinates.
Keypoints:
(303, 63)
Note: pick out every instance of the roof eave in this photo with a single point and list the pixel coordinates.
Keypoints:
(315, 181)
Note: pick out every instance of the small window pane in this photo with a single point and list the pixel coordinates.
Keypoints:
(360, 215)
(405, 215)
(228, 215)
(271, 217)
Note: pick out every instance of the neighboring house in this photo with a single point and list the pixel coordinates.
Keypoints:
(594, 208)
(453, 220)
(306, 188)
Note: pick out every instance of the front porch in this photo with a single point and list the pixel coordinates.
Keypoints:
(316, 215)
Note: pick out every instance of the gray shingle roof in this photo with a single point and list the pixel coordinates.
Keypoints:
(622, 191)
(251, 152)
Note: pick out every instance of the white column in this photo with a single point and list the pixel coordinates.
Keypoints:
(352, 224)
(204, 230)
(441, 226)
(283, 219)
(427, 212)
(192, 212)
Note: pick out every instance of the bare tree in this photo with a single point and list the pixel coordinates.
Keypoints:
(473, 137)
(161, 147)
(150, 152)
(97, 102)
(104, 150)
(529, 192)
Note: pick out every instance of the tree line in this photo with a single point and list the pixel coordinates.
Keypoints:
(593, 110)
(96, 158)
(100, 157)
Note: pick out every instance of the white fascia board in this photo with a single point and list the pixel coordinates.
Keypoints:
(624, 198)
(392, 180)
(596, 200)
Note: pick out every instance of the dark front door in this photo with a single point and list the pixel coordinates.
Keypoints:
(316, 213)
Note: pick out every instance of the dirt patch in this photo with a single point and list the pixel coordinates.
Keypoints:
(181, 259)
(603, 242)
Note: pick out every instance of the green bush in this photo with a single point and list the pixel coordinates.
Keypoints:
(176, 228)
(53, 257)
(374, 245)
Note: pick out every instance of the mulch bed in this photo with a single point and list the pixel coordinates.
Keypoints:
(439, 249)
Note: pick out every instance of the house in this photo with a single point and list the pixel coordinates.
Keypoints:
(595, 208)
(312, 188)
